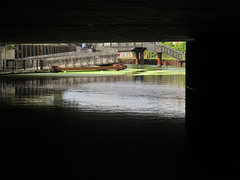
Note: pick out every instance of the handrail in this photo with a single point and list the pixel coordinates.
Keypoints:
(170, 51)
(74, 54)
(151, 46)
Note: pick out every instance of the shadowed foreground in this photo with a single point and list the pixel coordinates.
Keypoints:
(54, 143)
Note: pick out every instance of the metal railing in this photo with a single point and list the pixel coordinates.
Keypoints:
(74, 58)
(74, 54)
(170, 51)
(154, 47)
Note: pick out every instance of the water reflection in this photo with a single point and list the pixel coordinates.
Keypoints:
(161, 95)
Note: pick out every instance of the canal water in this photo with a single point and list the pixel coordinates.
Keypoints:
(71, 124)
(160, 95)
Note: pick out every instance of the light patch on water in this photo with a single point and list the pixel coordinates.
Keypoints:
(132, 90)
(164, 100)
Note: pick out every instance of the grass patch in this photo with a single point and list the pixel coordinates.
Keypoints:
(133, 70)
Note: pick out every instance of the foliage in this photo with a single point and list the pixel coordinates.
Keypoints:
(11, 46)
(181, 46)
(133, 53)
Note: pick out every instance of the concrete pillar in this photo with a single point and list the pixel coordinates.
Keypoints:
(141, 51)
(211, 105)
(159, 59)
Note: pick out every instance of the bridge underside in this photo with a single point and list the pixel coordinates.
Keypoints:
(126, 21)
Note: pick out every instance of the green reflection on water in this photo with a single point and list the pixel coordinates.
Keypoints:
(132, 70)
(47, 89)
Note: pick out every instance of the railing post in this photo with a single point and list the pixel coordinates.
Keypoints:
(24, 65)
(17, 51)
(37, 64)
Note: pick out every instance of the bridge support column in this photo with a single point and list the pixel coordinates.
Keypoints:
(159, 59)
(142, 57)
(211, 110)
(137, 57)
(138, 50)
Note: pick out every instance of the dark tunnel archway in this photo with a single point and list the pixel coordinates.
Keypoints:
(211, 30)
